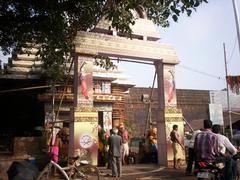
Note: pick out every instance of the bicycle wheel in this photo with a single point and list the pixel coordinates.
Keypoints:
(87, 171)
(48, 174)
(45, 174)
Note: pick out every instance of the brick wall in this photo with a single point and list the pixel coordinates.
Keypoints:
(194, 105)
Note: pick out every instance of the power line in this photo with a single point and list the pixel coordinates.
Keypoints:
(27, 88)
(201, 72)
(235, 43)
(185, 67)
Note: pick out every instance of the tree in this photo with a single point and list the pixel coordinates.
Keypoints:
(52, 25)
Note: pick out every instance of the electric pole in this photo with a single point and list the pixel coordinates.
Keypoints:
(228, 104)
(237, 22)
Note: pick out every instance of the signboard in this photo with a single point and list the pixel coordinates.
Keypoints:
(86, 140)
(84, 124)
(169, 86)
(110, 98)
(85, 83)
(107, 120)
(220, 97)
(216, 113)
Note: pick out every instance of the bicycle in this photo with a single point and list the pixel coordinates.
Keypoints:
(78, 170)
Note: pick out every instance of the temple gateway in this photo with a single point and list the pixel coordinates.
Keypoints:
(93, 96)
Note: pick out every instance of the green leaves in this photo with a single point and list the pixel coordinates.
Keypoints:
(175, 18)
(160, 11)
(189, 12)
(53, 24)
(175, 10)
(104, 62)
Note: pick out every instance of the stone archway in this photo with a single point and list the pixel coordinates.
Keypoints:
(143, 47)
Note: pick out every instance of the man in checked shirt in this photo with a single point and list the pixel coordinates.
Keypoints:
(206, 144)
(207, 148)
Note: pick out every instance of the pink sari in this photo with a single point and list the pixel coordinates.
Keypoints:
(54, 153)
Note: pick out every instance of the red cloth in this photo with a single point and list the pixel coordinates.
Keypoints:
(234, 83)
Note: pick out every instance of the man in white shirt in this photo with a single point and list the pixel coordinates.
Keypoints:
(226, 147)
(224, 142)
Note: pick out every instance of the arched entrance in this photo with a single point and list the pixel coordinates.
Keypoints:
(144, 47)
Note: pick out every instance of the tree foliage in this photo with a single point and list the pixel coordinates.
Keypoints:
(53, 24)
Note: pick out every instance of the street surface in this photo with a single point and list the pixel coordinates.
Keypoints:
(147, 172)
(139, 172)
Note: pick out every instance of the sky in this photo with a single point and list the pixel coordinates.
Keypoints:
(198, 41)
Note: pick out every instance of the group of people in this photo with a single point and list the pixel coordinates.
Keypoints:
(208, 145)
(117, 141)
(118, 149)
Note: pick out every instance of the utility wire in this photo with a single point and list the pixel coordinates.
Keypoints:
(201, 72)
(27, 88)
(230, 57)
(184, 67)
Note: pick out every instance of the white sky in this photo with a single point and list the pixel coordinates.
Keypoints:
(198, 41)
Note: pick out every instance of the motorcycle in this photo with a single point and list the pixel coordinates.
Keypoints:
(215, 170)
(211, 171)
